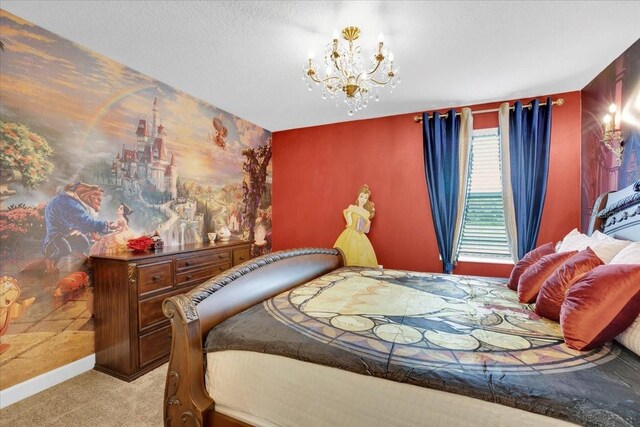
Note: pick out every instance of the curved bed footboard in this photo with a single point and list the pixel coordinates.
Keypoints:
(192, 316)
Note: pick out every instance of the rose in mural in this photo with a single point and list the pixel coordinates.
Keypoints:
(24, 157)
(20, 222)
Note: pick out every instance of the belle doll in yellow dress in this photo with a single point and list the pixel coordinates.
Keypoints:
(353, 241)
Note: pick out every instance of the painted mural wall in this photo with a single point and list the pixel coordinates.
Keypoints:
(93, 154)
(602, 171)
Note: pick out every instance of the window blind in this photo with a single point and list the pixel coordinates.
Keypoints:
(483, 225)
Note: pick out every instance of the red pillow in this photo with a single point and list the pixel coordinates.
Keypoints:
(531, 280)
(601, 305)
(527, 261)
(554, 288)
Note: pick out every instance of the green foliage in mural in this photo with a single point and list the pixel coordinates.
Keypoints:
(24, 152)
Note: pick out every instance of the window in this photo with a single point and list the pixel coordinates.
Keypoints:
(484, 237)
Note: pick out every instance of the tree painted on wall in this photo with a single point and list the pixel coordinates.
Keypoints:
(255, 165)
(24, 158)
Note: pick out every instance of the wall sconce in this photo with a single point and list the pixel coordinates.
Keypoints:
(612, 138)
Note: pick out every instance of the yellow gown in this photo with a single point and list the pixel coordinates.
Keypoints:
(115, 242)
(355, 244)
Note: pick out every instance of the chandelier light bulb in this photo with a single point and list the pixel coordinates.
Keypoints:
(334, 36)
(613, 108)
(391, 56)
(311, 55)
(606, 119)
(380, 38)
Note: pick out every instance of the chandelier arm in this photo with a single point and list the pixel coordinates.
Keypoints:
(380, 83)
(326, 82)
(313, 77)
(375, 68)
(328, 85)
(335, 64)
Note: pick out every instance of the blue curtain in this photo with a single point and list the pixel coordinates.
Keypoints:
(630, 168)
(440, 148)
(530, 137)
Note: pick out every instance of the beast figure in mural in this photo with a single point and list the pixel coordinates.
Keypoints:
(70, 222)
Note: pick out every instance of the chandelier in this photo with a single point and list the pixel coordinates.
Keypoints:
(612, 138)
(345, 71)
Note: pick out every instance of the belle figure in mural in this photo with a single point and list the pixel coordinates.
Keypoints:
(353, 241)
(116, 241)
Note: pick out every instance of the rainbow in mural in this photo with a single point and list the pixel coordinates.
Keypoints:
(93, 154)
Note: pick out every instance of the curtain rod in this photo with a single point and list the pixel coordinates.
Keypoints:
(559, 101)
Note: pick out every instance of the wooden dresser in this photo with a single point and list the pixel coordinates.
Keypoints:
(132, 334)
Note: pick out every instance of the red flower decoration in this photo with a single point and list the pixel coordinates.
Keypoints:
(140, 244)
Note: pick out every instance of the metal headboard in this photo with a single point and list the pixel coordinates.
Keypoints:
(618, 213)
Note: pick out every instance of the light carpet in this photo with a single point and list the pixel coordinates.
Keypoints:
(93, 399)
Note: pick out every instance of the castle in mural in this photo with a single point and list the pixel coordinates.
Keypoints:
(148, 164)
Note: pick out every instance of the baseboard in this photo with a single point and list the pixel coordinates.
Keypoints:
(42, 382)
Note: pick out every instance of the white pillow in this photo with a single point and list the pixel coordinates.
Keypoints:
(630, 338)
(606, 247)
(599, 235)
(607, 250)
(628, 255)
(574, 241)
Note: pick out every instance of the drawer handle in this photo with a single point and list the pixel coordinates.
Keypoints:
(220, 256)
(187, 263)
(189, 277)
(156, 277)
(241, 258)
(221, 268)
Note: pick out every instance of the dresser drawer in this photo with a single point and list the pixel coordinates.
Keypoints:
(241, 255)
(150, 310)
(202, 274)
(155, 345)
(153, 277)
(195, 261)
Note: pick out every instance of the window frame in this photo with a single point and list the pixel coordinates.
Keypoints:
(490, 259)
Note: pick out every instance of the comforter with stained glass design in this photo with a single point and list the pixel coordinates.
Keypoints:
(459, 334)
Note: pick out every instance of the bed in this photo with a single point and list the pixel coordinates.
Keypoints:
(296, 338)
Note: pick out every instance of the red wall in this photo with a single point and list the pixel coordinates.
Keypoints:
(317, 172)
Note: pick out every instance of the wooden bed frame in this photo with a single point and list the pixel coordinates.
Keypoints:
(193, 315)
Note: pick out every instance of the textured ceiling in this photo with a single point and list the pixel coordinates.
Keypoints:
(247, 57)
